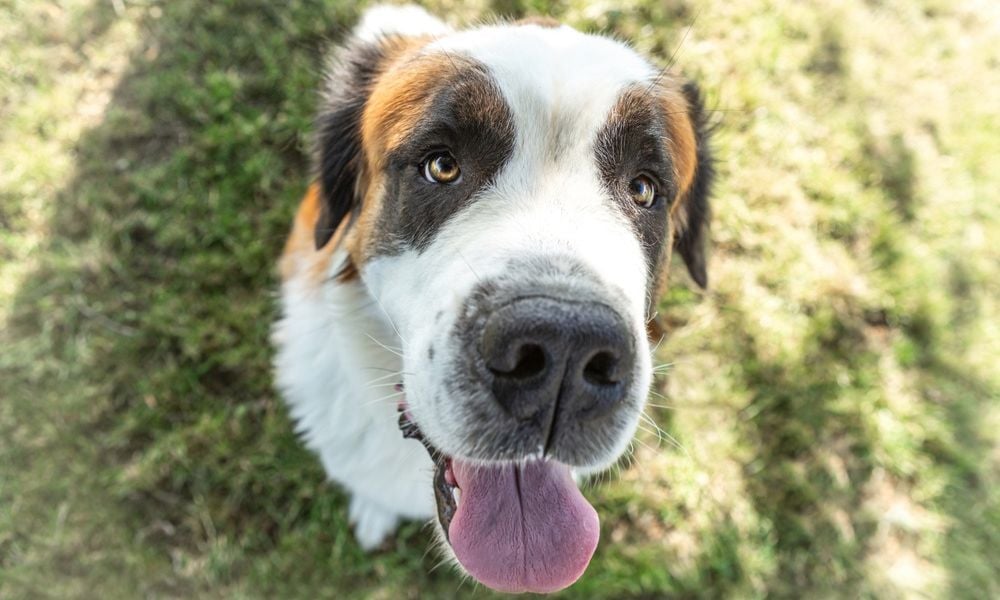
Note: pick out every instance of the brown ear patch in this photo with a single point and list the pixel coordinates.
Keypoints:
(683, 145)
(355, 71)
(694, 212)
(401, 97)
(402, 101)
(300, 256)
(654, 128)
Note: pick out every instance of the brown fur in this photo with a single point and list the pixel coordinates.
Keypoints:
(395, 106)
(683, 146)
(399, 100)
(398, 103)
(300, 255)
(680, 130)
(682, 142)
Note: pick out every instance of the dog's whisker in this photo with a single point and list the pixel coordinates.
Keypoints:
(452, 61)
(655, 428)
(674, 54)
(382, 385)
(383, 398)
(654, 431)
(372, 338)
(383, 344)
(644, 416)
(391, 372)
(387, 376)
(657, 394)
(660, 341)
(474, 274)
(663, 406)
(444, 561)
(670, 439)
(644, 444)
(389, 318)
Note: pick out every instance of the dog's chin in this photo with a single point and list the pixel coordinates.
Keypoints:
(514, 526)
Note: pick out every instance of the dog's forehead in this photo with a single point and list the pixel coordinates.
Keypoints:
(548, 74)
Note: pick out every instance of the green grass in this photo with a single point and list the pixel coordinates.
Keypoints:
(835, 396)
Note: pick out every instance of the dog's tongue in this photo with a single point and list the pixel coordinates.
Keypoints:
(523, 528)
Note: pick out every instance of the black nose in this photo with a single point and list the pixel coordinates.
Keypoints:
(555, 359)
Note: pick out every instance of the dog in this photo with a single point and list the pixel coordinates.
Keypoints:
(469, 286)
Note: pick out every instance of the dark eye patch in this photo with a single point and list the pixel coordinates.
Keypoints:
(633, 141)
(469, 118)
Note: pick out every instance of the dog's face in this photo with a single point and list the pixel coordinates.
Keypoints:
(510, 197)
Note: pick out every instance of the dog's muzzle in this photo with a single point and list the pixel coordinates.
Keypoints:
(555, 361)
(541, 380)
(545, 365)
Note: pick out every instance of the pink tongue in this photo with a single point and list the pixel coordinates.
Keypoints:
(522, 528)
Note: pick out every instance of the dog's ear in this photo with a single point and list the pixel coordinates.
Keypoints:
(338, 142)
(692, 238)
(352, 71)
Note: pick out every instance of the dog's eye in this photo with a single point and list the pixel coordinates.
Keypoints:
(643, 191)
(441, 167)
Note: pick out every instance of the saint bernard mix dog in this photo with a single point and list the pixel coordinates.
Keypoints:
(469, 285)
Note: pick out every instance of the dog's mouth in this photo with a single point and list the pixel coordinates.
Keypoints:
(514, 526)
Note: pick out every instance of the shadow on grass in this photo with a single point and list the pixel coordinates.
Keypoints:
(814, 446)
(155, 297)
(812, 457)
(970, 496)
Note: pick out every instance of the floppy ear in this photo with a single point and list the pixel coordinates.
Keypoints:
(338, 142)
(691, 242)
(352, 73)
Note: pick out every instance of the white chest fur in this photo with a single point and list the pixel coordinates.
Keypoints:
(336, 371)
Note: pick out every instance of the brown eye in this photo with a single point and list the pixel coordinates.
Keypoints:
(643, 191)
(441, 167)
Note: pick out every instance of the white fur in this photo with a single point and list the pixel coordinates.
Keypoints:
(338, 383)
(560, 85)
(333, 343)
(382, 20)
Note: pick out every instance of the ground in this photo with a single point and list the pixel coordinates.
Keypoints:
(829, 408)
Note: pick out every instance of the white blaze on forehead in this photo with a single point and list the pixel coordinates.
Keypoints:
(560, 83)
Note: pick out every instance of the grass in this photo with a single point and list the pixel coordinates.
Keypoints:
(834, 396)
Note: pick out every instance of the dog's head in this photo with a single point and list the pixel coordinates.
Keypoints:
(510, 196)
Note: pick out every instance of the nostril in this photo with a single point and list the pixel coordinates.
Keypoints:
(600, 369)
(530, 362)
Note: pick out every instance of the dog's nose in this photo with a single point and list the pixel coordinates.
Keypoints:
(554, 359)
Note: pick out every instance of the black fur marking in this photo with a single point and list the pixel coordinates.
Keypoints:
(467, 117)
(634, 142)
(339, 137)
(693, 240)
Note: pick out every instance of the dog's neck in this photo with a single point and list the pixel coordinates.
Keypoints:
(369, 350)
(351, 338)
